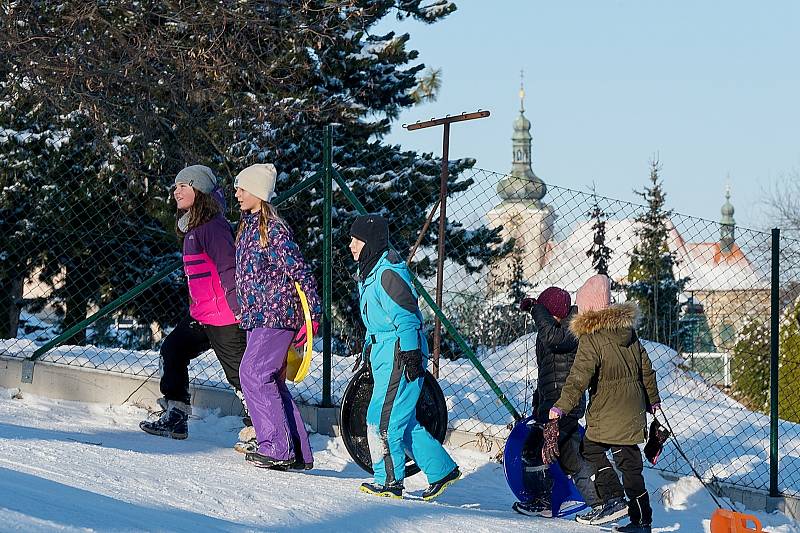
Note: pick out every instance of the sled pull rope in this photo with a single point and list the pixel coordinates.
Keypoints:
(694, 470)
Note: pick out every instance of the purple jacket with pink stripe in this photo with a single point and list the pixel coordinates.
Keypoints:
(210, 266)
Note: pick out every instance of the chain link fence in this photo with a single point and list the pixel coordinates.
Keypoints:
(77, 234)
(705, 318)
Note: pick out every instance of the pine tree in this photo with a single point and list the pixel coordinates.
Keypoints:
(427, 89)
(651, 280)
(72, 217)
(22, 140)
(231, 84)
(599, 253)
(517, 285)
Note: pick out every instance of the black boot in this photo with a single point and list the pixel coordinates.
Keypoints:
(299, 464)
(641, 515)
(174, 423)
(437, 488)
(634, 528)
(265, 461)
(385, 491)
(539, 506)
(611, 511)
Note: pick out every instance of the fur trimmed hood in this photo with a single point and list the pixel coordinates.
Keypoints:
(624, 316)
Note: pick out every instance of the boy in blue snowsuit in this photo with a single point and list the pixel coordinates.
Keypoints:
(397, 351)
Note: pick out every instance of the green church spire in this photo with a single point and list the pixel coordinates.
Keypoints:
(521, 184)
(727, 225)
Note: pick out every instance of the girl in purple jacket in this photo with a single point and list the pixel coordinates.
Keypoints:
(208, 260)
(268, 263)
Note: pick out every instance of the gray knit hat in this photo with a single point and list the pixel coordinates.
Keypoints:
(198, 176)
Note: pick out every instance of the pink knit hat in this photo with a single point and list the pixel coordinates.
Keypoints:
(595, 294)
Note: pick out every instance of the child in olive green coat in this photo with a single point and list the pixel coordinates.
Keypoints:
(614, 366)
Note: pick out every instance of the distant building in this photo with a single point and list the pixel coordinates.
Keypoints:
(522, 213)
(723, 285)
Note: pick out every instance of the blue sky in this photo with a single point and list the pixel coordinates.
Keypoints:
(712, 87)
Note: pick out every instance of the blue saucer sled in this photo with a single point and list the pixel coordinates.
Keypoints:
(566, 499)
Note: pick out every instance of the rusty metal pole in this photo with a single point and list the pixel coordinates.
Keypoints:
(422, 233)
(437, 326)
(446, 121)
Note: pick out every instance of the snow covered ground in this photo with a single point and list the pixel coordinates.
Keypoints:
(70, 466)
(724, 440)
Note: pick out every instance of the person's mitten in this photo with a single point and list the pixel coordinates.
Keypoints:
(302, 335)
(526, 304)
(412, 361)
(550, 445)
(655, 441)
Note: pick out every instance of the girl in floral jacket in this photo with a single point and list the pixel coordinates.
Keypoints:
(268, 263)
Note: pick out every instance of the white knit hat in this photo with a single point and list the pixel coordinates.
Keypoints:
(258, 180)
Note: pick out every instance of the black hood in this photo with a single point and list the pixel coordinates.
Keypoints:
(374, 231)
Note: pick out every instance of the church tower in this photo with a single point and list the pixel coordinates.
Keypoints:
(522, 213)
(727, 225)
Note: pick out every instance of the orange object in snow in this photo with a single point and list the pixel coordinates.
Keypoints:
(724, 521)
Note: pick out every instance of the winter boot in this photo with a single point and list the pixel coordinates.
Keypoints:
(612, 511)
(541, 506)
(265, 461)
(174, 422)
(434, 490)
(248, 442)
(394, 491)
(299, 464)
(633, 528)
(591, 514)
(640, 513)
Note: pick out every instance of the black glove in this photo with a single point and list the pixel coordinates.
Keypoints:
(550, 446)
(655, 441)
(526, 304)
(411, 361)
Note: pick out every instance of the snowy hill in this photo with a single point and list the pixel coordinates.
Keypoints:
(69, 466)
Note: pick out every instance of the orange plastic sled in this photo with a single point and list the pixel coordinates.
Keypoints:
(724, 521)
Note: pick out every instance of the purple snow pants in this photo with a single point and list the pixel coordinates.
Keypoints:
(279, 427)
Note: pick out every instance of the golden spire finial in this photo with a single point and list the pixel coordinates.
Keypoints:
(521, 90)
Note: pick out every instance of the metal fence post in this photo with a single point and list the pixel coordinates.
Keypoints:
(448, 326)
(327, 273)
(773, 363)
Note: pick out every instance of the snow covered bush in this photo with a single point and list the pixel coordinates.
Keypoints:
(789, 371)
(750, 366)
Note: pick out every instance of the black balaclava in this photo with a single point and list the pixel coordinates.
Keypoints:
(374, 231)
